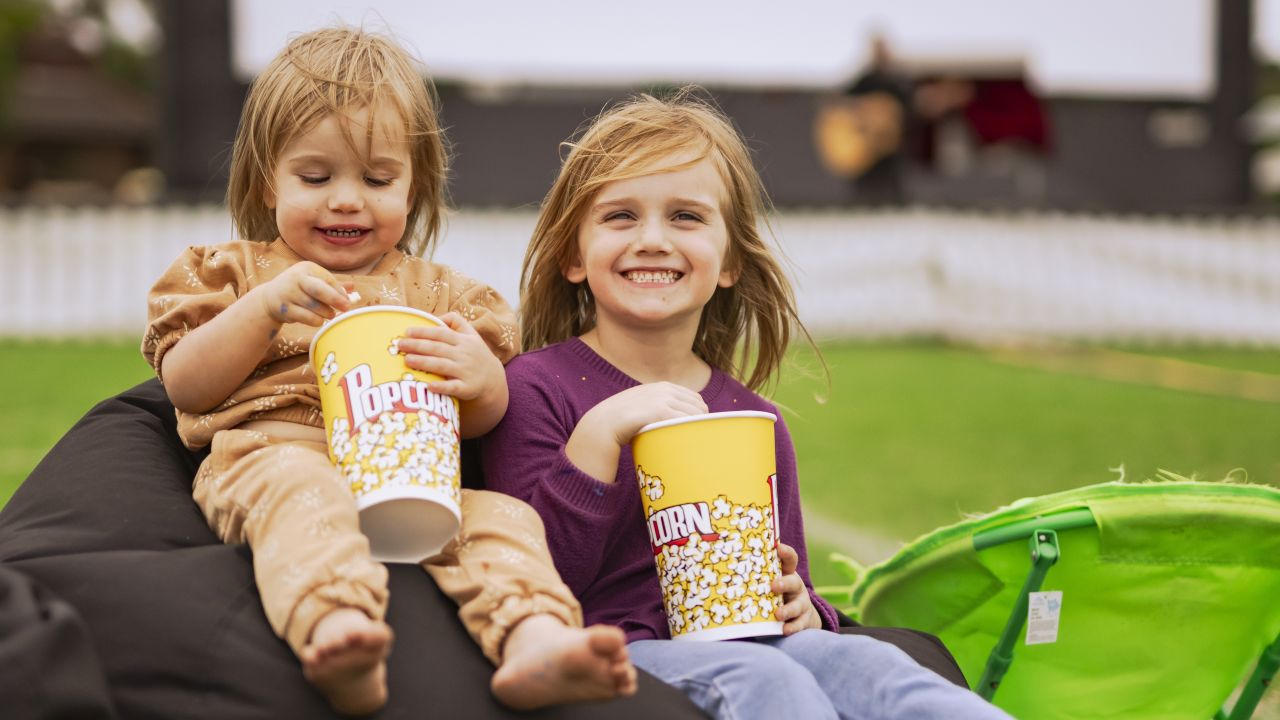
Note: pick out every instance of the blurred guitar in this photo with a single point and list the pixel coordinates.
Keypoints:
(853, 133)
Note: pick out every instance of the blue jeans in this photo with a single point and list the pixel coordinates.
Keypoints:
(809, 675)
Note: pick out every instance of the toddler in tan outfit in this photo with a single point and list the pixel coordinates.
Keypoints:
(337, 185)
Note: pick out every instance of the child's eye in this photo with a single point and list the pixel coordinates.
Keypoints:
(619, 215)
(314, 179)
(686, 215)
(378, 182)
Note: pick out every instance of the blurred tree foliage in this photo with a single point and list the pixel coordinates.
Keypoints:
(17, 18)
(115, 58)
(1268, 80)
(122, 61)
(1269, 87)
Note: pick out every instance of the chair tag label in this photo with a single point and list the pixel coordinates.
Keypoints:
(1043, 611)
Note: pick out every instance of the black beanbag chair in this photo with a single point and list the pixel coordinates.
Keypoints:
(116, 600)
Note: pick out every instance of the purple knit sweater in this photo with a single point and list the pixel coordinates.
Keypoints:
(596, 531)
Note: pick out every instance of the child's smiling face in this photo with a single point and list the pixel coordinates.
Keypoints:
(332, 206)
(652, 248)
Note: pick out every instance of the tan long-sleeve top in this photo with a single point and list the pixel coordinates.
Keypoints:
(204, 281)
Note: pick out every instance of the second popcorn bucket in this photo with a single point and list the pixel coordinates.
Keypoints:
(395, 441)
(707, 484)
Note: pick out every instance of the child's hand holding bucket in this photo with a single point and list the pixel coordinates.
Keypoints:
(465, 367)
(797, 611)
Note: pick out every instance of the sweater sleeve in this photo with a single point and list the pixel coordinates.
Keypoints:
(201, 283)
(524, 457)
(791, 527)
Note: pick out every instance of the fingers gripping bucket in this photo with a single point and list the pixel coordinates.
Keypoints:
(707, 487)
(395, 441)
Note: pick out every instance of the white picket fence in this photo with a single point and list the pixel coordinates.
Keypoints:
(984, 277)
(970, 275)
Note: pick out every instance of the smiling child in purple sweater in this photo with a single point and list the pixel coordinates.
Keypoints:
(648, 294)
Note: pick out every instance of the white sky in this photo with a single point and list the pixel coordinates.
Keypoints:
(1132, 48)
(1266, 23)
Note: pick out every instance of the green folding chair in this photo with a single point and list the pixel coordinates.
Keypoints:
(1132, 601)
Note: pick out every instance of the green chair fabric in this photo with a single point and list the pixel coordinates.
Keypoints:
(1169, 597)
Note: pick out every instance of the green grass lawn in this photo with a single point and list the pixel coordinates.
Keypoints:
(45, 387)
(910, 436)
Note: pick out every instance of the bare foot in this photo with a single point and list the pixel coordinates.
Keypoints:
(346, 661)
(548, 663)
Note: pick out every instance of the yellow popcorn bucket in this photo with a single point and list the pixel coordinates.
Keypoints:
(394, 440)
(707, 486)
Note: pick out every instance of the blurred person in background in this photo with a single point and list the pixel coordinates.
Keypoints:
(951, 126)
(860, 134)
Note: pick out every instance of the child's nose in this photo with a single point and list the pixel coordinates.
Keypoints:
(653, 237)
(346, 197)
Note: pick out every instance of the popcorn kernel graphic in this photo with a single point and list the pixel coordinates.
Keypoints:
(650, 485)
(329, 368)
(705, 587)
(398, 449)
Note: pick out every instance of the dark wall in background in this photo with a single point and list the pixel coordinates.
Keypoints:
(1107, 155)
(197, 98)
(507, 151)
(1163, 156)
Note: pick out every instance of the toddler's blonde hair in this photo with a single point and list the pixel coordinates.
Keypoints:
(745, 328)
(336, 71)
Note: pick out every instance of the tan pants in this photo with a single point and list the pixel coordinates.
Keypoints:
(292, 506)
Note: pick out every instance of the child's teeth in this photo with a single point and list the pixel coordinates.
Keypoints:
(665, 276)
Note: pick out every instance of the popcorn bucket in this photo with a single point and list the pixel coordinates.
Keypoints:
(394, 440)
(707, 486)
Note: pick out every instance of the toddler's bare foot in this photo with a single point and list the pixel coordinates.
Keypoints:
(548, 663)
(346, 661)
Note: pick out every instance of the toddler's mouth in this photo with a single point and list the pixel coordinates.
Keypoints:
(345, 232)
(655, 277)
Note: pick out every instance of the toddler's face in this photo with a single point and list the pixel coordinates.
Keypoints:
(652, 248)
(332, 206)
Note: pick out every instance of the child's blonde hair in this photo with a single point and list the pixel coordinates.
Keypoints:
(333, 72)
(745, 328)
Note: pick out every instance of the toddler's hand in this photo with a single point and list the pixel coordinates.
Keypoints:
(305, 293)
(797, 611)
(628, 411)
(456, 352)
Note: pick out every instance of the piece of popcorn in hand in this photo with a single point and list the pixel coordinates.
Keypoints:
(353, 297)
